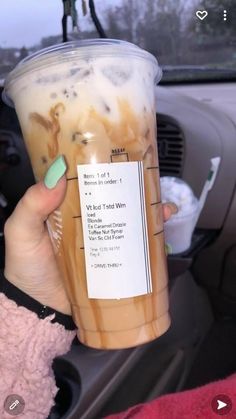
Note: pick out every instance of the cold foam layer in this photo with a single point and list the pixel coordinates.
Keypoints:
(99, 81)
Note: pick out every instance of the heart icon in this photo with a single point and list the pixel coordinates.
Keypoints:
(201, 14)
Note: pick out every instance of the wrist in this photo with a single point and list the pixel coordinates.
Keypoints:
(41, 309)
(54, 297)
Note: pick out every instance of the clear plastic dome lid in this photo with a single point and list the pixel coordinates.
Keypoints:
(76, 50)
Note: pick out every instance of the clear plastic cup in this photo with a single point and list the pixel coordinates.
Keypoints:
(179, 229)
(93, 101)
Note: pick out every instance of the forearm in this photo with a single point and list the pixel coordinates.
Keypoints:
(28, 346)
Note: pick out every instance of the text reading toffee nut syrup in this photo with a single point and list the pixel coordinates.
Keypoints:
(93, 102)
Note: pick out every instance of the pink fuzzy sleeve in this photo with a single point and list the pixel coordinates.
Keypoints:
(28, 346)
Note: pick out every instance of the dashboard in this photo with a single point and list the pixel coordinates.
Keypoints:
(206, 121)
(207, 132)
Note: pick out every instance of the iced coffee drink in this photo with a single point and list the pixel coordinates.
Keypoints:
(93, 102)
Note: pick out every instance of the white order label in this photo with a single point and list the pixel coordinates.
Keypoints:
(114, 229)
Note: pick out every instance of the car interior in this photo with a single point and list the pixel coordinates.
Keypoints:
(196, 121)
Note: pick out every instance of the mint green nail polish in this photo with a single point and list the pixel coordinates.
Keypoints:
(55, 172)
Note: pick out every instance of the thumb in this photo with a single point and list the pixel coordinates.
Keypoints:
(39, 201)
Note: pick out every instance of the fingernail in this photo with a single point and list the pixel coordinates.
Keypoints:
(55, 172)
(173, 207)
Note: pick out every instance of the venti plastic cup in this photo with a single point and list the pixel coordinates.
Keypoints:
(93, 102)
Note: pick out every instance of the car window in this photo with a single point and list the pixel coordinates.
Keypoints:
(192, 39)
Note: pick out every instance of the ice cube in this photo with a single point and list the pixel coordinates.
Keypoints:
(50, 78)
(74, 70)
(81, 73)
(117, 75)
